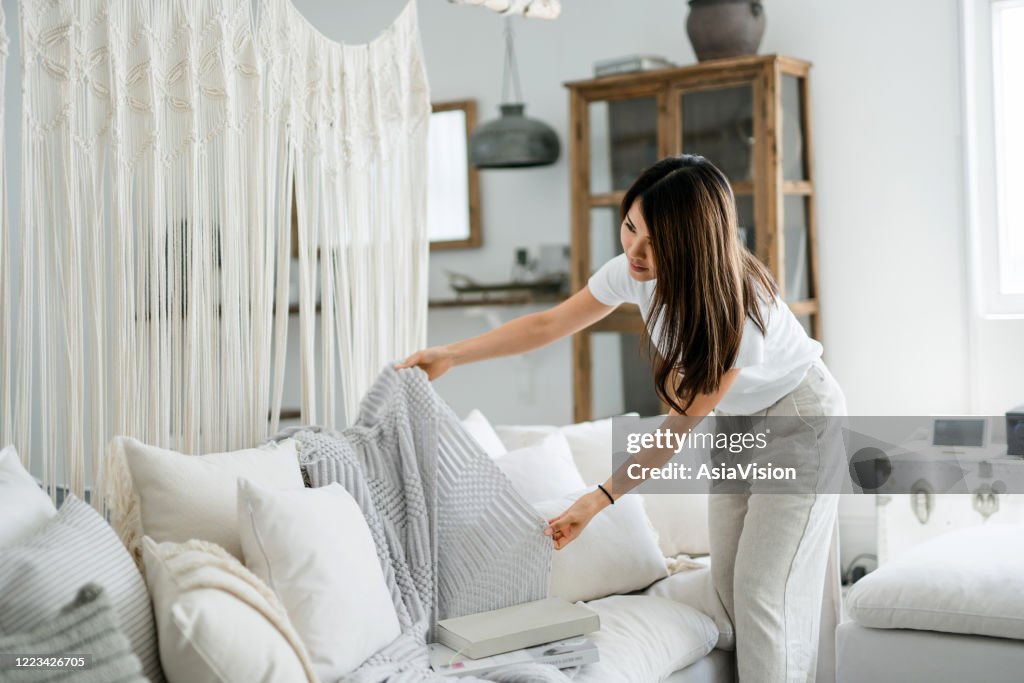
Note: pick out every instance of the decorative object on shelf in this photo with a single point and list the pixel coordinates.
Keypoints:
(553, 259)
(466, 288)
(725, 28)
(513, 140)
(523, 267)
(532, 9)
(630, 64)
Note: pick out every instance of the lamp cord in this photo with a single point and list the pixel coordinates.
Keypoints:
(511, 66)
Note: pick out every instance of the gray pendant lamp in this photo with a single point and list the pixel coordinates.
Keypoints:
(513, 140)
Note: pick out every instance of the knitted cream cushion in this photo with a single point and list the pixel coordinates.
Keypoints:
(216, 620)
(170, 496)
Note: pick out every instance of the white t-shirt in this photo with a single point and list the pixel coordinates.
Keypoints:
(771, 365)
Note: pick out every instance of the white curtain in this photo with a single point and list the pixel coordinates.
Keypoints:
(161, 145)
(352, 121)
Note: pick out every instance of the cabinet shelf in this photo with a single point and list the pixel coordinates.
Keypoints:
(612, 199)
(797, 187)
(498, 301)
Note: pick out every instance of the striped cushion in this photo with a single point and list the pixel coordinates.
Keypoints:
(86, 626)
(43, 573)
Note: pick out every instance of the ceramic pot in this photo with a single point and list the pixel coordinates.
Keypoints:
(725, 28)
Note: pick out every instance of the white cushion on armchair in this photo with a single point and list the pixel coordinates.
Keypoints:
(969, 581)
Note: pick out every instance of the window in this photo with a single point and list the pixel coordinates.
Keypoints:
(1008, 77)
(993, 52)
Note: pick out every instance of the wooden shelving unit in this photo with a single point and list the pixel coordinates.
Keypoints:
(748, 115)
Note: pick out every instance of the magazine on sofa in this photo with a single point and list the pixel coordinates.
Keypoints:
(562, 653)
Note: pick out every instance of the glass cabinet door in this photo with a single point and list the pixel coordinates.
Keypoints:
(796, 260)
(794, 166)
(623, 142)
(719, 125)
(745, 221)
(623, 375)
(604, 236)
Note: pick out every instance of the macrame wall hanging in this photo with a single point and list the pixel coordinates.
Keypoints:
(352, 121)
(162, 144)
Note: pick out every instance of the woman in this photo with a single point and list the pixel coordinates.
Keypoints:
(725, 342)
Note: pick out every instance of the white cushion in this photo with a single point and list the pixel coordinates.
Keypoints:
(24, 508)
(644, 639)
(217, 622)
(681, 520)
(542, 471)
(615, 553)
(182, 497)
(694, 587)
(483, 433)
(520, 436)
(969, 581)
(314, 549)
(591, 444)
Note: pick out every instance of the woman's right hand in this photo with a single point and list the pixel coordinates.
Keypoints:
(435, 361)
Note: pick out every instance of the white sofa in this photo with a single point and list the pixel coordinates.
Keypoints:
(665, 631)
(657, 628)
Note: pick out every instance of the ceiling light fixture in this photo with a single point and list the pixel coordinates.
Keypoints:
(513, 140)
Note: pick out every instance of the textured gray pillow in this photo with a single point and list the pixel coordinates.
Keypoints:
(43, 573)
(87, 626)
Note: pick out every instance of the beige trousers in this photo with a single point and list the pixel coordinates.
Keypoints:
(775, 555)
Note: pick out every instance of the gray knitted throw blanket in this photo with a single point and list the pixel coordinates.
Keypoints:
(452, 536)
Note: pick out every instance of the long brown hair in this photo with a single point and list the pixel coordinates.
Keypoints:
(707, 281)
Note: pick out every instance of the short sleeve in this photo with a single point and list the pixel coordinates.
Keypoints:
(607, 284)
(752, 346)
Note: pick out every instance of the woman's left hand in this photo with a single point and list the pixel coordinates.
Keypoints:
(567, 526)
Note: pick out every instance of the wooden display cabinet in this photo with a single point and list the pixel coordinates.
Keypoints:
(751, 117)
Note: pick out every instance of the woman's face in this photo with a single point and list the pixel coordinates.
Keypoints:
(636, 243)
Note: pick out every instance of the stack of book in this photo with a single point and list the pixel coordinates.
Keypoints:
(548, 631)
(630, 64)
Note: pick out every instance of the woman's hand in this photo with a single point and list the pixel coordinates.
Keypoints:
(435, 361)
(564, 528)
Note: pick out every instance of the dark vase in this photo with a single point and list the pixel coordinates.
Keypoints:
(725, 28)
